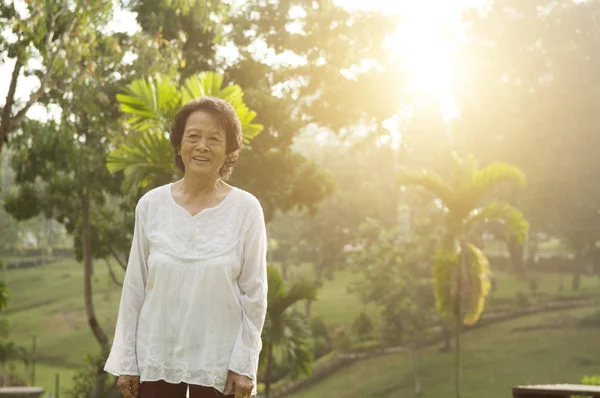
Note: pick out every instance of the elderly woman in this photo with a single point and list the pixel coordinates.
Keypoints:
(194, 296)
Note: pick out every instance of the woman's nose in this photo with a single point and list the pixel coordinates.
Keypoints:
(202, 144)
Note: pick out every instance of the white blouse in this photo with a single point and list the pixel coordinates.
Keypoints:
(194, 297)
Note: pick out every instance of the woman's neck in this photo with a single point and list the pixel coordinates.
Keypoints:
(198, 187)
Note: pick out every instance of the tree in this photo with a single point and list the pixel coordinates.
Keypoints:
(334, 49)
(533, 89)
(61, 165)
(54, 33)
(395, 275)
(285, 329)
(462, 198)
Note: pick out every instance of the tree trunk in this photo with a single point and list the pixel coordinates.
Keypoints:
(307, 308)
(415, 370)
(5, 120)
(515, 252)
(268, 370)
(532, 249)
(99, 385)
(87, 289)
(446, 325)
(458, 316)
(579, 266)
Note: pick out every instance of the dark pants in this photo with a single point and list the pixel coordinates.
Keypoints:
(162, 389)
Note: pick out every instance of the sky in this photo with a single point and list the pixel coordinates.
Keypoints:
(428, 35)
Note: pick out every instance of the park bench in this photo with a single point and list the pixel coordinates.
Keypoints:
(556, 391)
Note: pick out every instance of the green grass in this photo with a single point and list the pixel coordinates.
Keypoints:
(494, 360)
(47, 302)
(337, 306)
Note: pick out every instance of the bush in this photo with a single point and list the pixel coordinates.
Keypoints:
(321, 347)
(522, 300)
(588, 381)
(592, 320)
(362, 326)
(533, 286)
(342, 341)
(85, 378)
(318, 328)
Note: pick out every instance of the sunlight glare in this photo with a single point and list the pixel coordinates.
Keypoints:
(427, 39)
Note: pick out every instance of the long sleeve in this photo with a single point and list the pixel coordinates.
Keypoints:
(123, 359)
(253, 285)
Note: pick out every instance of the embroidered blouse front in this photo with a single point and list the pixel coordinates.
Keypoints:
(194, 296)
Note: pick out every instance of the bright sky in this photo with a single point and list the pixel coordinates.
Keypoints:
(427, 37)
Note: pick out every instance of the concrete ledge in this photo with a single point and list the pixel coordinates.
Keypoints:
(21, 392)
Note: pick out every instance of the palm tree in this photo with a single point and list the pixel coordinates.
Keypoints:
(145, 153)
(463, 198)
(286, 328)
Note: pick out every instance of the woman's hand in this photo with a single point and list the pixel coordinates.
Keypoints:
(129, 386)
(239, 385)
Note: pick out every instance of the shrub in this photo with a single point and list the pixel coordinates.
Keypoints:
(85, 378)
(321, 347)
(318, 328)
(592, 320)
(362, 326)
(522, 300)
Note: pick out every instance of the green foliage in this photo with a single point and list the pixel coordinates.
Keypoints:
(479, 274)
(511, 219)
(362, 326)
(286, 329)
(591, 380)
(445, 267)
(145, 154)
(395, 276)
(525, 116)
(9, 351)
(492, 372)
(288, 98)
(318, 328)
(85, 378)
(44, 31)
(462, 196)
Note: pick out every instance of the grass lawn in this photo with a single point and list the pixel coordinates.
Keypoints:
(337, 306)
(47, 302)
(494, 360)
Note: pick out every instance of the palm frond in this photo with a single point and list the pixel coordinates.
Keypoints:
(276, 287)
(297, 344)
(150, 103)
(142, 157)
(479, 274)
(299, 291)
(464, 168)
(482, 181)
(444, 268)
(211, 83)
(510, 217)
(430, 181)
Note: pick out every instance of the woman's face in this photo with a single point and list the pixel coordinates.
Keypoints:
(203, 145)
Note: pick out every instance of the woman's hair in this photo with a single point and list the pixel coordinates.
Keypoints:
(226, 117)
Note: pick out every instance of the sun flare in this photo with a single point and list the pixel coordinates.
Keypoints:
(427, 39)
